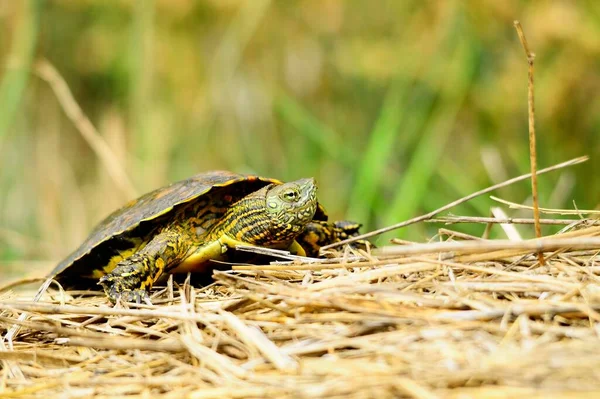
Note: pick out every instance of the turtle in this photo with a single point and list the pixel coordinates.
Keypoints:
(185, 226)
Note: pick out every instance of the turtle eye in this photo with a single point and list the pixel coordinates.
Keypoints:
(291, 195)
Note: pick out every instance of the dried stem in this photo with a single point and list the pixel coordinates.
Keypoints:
(532, 146)
(480, 219)
(111, 163)
(430, 215)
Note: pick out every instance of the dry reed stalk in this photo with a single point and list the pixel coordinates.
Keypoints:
(109, 160)
(532, 139)
(431, 214)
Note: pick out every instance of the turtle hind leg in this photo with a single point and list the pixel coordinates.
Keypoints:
(320, 233)
(131, 279)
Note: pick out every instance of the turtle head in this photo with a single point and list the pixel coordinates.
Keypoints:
(291, 206)
(285, 210)
(272, 216)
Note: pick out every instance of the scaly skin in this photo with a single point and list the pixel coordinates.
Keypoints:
(319, 233)
(133, 277)
(272, 217)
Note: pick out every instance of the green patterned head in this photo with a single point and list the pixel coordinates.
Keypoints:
(291, 206)
(272, 216)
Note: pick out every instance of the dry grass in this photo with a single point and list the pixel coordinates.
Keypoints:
(460, 318)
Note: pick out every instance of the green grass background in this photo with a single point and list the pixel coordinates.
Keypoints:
(396, 107)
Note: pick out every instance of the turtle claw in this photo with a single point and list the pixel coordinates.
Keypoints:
(128, 281)
(117, 291)
(136, 296)
(126, 295)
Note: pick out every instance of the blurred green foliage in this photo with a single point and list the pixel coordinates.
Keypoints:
(396, 107)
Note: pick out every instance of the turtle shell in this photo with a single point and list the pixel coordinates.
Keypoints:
(117, 231)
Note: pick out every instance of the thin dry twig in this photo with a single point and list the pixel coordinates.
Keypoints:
(430, 215)
(514, 205)
(463, 247)
(111, 163)
(532, 146)
(479, 219)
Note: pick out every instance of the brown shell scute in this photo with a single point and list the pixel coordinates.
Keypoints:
(154, 204)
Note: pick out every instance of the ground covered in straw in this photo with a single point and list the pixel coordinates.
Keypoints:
(456, 318)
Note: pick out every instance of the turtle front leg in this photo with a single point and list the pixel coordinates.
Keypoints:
(320, 233)
(131, 279)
